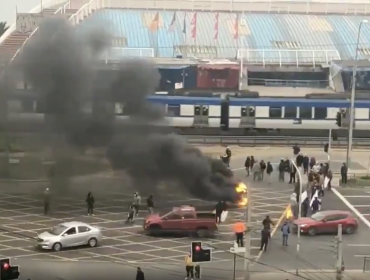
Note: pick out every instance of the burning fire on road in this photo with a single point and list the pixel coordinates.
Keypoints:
(242, 189)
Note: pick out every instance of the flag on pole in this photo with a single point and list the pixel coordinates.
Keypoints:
(216, 26)
(155, 23)
(194, 26)
(289, 213)
(236, 27)
(172, 26)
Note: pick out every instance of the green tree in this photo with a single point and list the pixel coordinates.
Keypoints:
(3, 28)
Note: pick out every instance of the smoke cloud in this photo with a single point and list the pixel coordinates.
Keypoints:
(59, 63)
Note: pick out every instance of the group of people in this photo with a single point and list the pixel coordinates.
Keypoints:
(240, 229)
(258, 169)
(135, 207)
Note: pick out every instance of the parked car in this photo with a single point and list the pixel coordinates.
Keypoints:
(327, 222)
(70, 234)
(182, 220)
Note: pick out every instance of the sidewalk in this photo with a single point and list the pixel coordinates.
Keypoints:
(317, 275)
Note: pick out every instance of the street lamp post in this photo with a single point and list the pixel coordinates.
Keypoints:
(299, 214)
(353, 92)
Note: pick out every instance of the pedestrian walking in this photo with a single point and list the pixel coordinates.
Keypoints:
(247, 165)
(265, 236)
(137, 202)
(131, 213)
(140, 274)
(90, 200)
(150, 204)
(269, 170)
(343, 173)
(286, 231)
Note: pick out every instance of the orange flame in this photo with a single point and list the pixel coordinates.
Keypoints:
(289, 213)
(242, 189)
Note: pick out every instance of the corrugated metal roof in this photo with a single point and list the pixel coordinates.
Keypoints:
(256, 31)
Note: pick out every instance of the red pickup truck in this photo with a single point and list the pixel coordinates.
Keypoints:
(182, 220)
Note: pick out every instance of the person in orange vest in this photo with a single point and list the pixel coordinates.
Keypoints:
(239, 229)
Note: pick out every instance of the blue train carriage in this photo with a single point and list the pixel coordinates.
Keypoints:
(262, 113)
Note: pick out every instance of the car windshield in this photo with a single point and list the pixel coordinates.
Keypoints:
(318, 216)
(57, 230)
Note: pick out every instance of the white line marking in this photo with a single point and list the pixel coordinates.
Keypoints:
(361, 206)
(358, 245)
(357, 196)
(351, 207)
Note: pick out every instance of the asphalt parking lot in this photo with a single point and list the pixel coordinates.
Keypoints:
(22, 218)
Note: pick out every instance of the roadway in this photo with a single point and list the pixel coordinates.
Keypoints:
(21, 219)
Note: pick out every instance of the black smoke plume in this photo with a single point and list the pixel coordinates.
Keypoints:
(60, 66)
(146, 153)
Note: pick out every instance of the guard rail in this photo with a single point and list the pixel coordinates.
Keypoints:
(274, 141)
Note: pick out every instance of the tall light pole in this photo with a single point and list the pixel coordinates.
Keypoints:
(353, 92)
(299, 214)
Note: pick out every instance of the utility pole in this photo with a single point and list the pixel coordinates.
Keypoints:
(339, 253)
(247, 242)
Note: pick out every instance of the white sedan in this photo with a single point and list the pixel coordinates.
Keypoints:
(70, 234)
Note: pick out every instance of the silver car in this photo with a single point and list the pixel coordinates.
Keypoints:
(70, 234)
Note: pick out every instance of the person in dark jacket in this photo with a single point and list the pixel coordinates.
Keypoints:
(305, 206)
(281, 170)
(265, 236)
(131, 213)
(263, 168)
(247, 165)
(306, 163)
(299, 160)
(140, 274)
(285, 229)
(267, 223)
(292, 173)
(312, 162)
(343, 173)
(330, 177)
(90, 200)
(150, 204)
(220, 206)
(269, 171)
(316, 205)
(252, 161)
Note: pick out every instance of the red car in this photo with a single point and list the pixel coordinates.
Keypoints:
(326, 222)
(182, 220)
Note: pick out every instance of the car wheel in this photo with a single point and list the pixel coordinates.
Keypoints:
(202, 233)
(57, 247)
(93, 242)
(350, 230)
(154, 230)
(312, 232)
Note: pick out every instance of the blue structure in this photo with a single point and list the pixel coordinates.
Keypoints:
(259, 102)
(256, 31)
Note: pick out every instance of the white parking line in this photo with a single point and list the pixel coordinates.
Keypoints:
(351, 207)
(357, 196)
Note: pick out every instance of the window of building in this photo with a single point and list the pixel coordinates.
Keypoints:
(321, 113)
(305, 113)
(173, 110)
(275, 112)
(290, 112)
